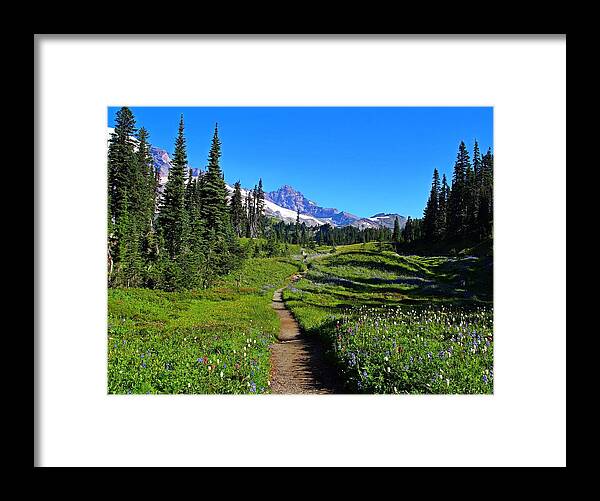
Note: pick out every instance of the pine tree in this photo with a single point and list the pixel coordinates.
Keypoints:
(396, 232)
(456, 218)
(260, 208)
(431, 217)
(147, 187)
(477, 171)
(485, 214)
(249, 211)
(121, 161)
(236, 210)
(443, 207)
(173, 217)
(470, 201)
(407, 232)
(214, 193)
(223, 248)
(297, 227)
(125, 203)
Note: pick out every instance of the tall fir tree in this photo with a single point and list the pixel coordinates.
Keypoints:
(431, 217)
(477, 171)
(485, 214)
(396, 232)
(214, 193)
(408, 231)
(173, 216)
(236, 210)
(456, 219)
(121, 161)
(297, 227)
(123, 192)
(443, 207)
(260, 208)
(470, 201)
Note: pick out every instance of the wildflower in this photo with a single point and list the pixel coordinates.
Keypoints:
(253, 387)
(221, 374)
(485, 379)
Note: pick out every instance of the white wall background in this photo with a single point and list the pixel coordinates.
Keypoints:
(523, 423)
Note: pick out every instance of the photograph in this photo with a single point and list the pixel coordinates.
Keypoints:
(300, 250)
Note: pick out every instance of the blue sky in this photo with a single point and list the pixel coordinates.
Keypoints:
(362, 160)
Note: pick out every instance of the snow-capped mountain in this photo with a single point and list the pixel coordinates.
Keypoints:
(284, 202)
(288, 197)
(283, 213)
(381, 219)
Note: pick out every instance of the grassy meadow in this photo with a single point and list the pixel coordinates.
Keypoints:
(400, 324)
(391, 324)
(210, 341)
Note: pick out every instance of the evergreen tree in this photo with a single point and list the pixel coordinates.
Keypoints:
(485, 212)
(431, 217)
(214, 193)
(443, 207)
(249, 211)
(125, 204)
(477, 172)
(236, 210)
(297, 227)
(147, 187)
(456, 218)
(396, 232)
(260, 208)
(173, 216)
(121, 161)
(408, 232)
(470, 201)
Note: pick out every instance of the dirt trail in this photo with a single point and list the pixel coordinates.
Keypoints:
(298, 362)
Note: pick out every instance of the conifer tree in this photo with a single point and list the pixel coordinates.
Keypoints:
(297, 227)
(121, 161)
(236, 210)
(486, 206)
(443, 207)
(260, 208)
(456, 201)
(249, 210)
(173, 217)
(431, 218)
(408, 232)
(214, 193)
(123, 236)
(477, 171)
(396, 232)
(470, 201)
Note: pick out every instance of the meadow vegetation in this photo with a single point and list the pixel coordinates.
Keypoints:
(400, 324)
(205, 341)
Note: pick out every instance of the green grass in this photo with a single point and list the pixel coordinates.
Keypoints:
(211, 341)
(364, 279)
